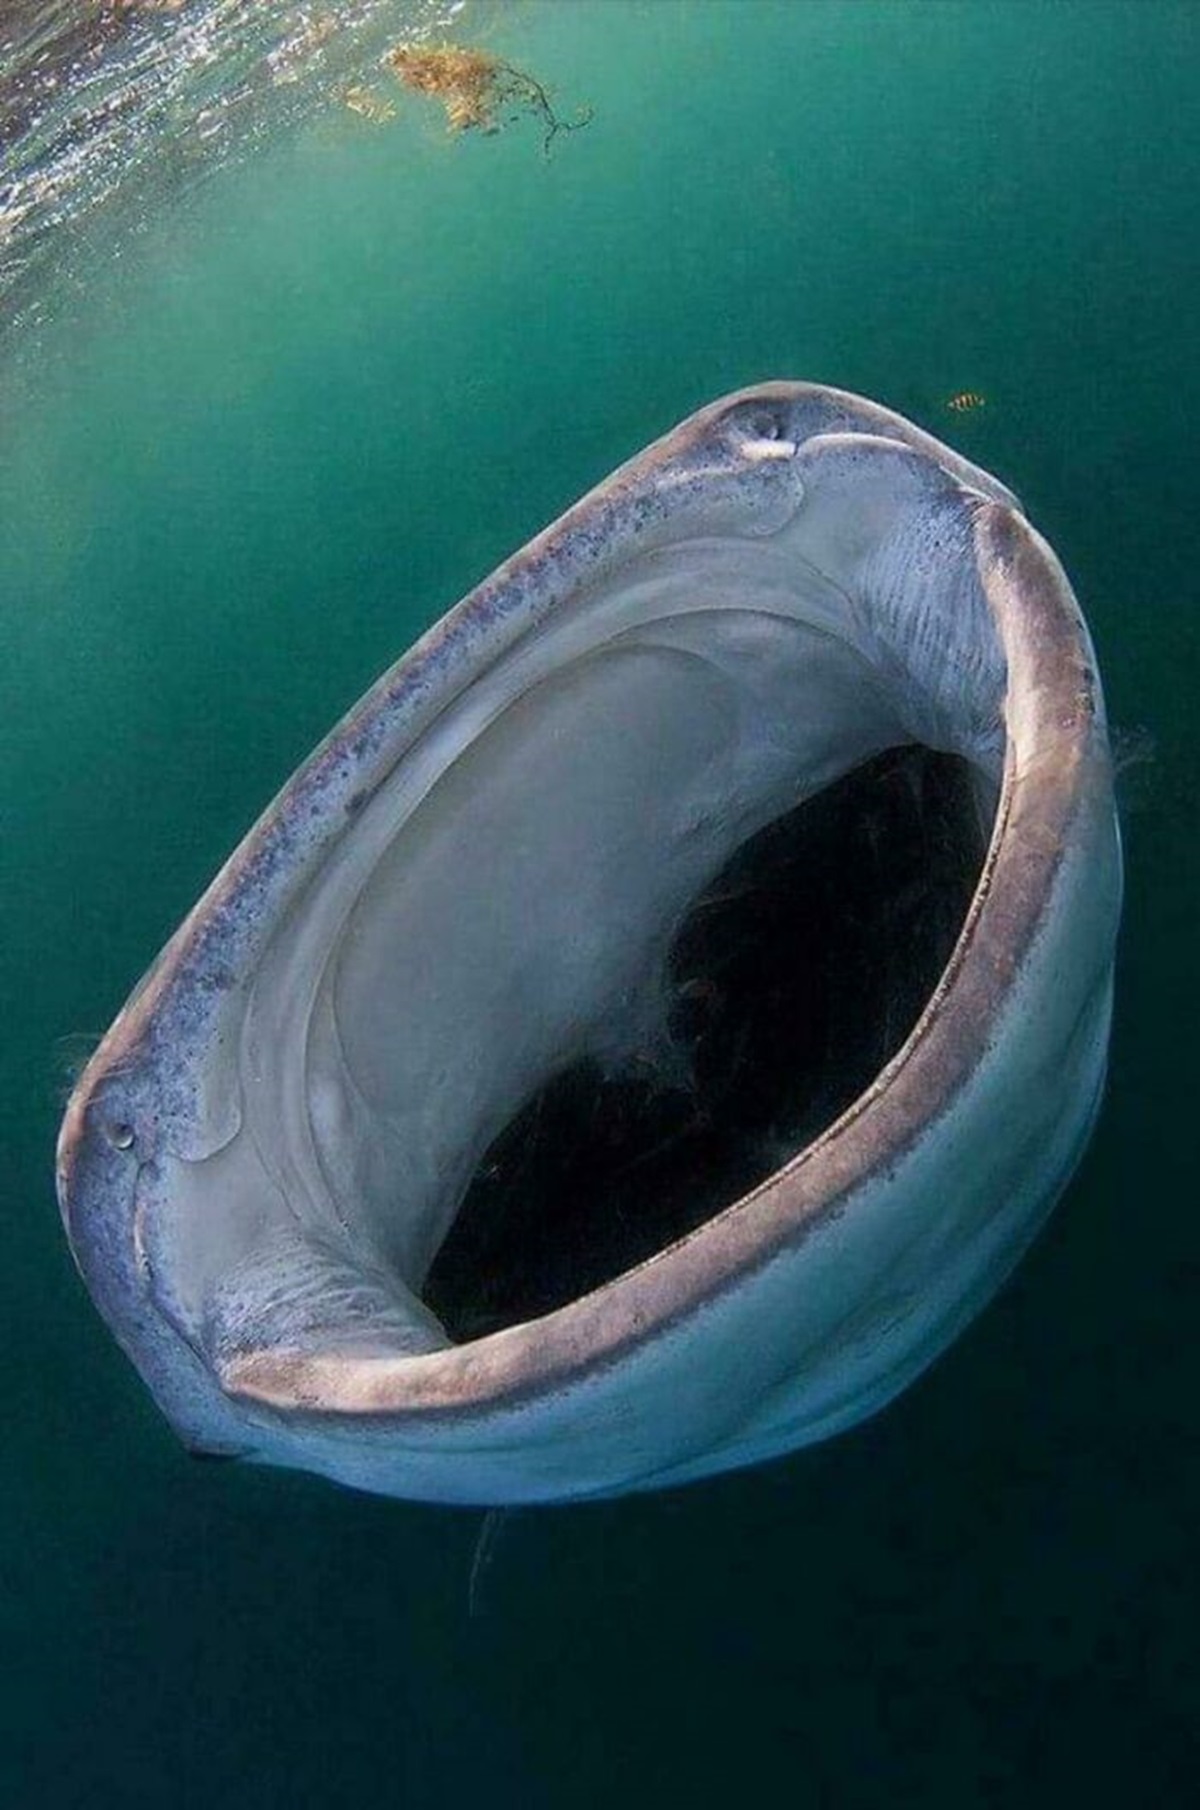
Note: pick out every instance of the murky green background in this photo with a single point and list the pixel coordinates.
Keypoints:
(303, 413)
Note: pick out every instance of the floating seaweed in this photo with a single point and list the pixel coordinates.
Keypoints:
(479, 91)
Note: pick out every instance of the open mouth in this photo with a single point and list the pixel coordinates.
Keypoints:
(647, 907)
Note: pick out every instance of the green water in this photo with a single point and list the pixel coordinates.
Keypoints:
(305, 410)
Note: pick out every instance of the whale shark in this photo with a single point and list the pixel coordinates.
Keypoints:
(657, 1017)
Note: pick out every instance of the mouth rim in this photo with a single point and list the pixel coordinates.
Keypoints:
(1053, 718)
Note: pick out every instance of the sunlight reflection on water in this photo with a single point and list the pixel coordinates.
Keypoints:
(107, 111)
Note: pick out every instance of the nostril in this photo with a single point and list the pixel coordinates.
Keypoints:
(763, 425)
(761, 435)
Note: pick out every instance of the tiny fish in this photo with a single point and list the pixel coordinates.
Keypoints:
(965, 402)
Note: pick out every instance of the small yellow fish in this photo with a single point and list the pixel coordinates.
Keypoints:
(965, 402)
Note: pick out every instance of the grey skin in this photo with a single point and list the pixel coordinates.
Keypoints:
(475, 882)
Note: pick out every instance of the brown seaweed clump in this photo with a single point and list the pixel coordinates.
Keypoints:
(479, 91)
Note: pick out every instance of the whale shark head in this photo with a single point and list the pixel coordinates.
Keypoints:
(657, 1017)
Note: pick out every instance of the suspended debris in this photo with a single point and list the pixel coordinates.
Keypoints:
(368, 103)
(479, 91)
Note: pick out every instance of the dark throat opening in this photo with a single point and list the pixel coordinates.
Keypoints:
(794, 978)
